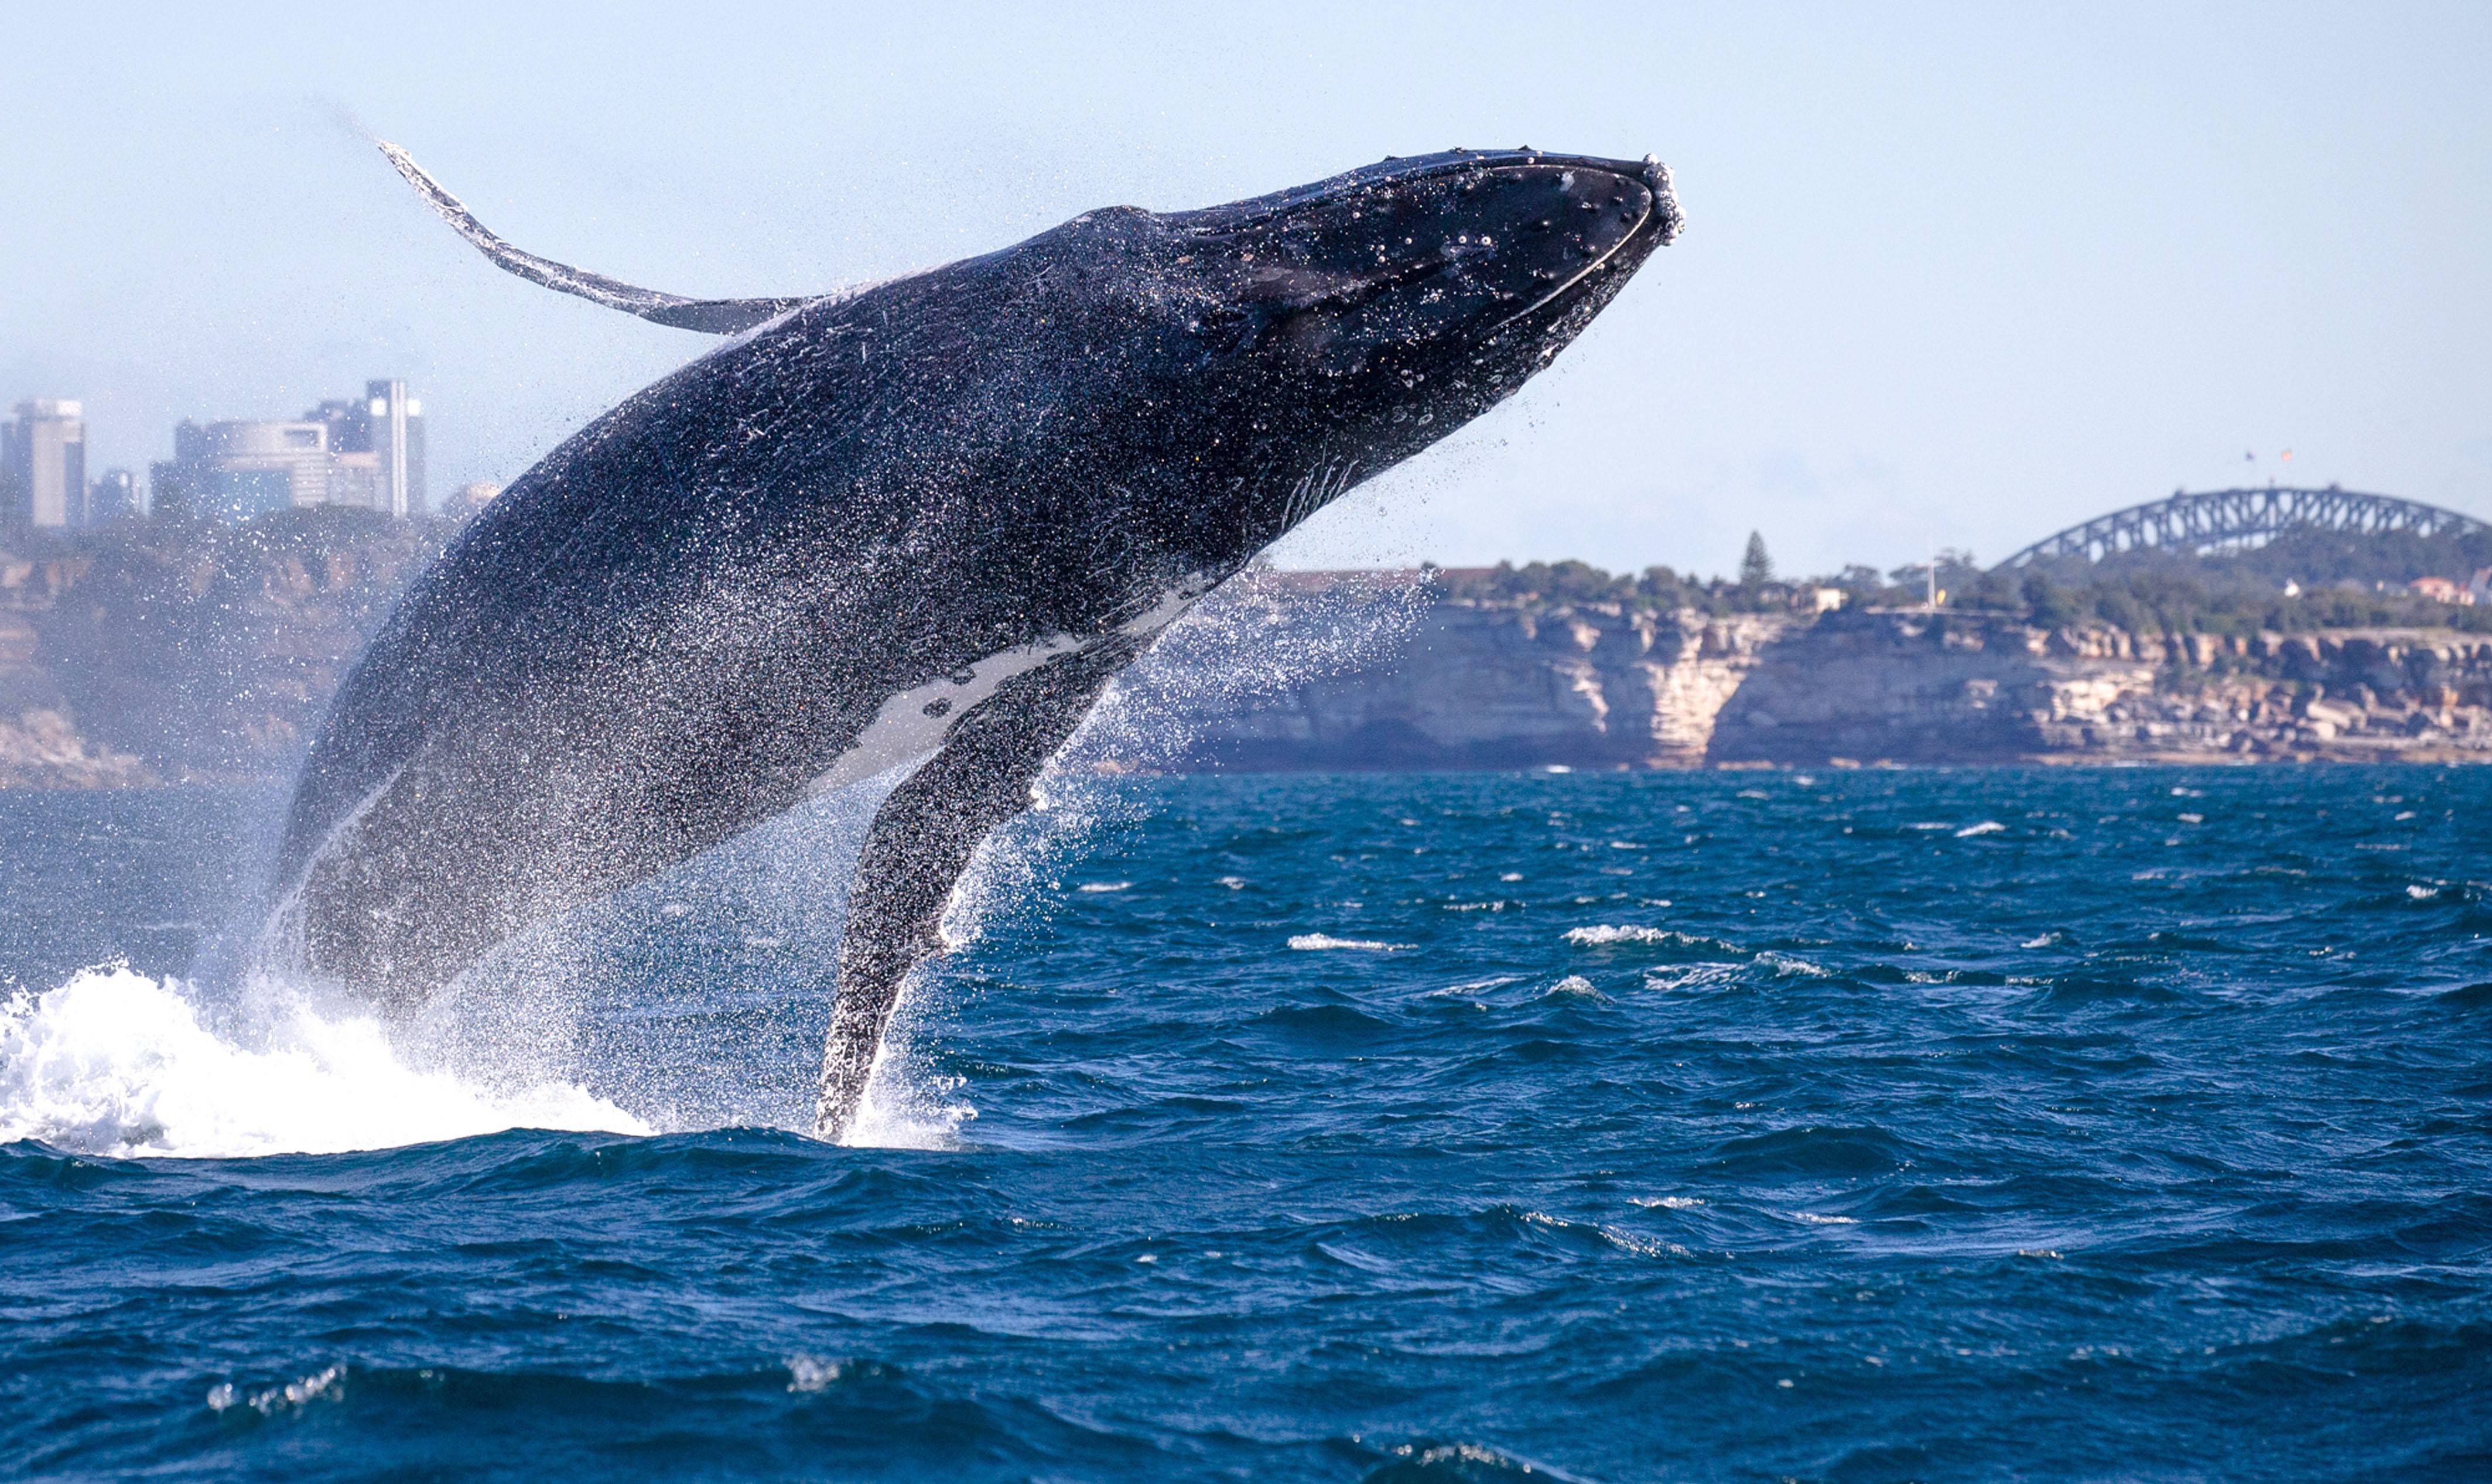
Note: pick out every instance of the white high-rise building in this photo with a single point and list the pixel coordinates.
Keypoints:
(43, 448)
(396, 424)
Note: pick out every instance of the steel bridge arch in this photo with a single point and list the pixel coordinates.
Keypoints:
(2231, 520)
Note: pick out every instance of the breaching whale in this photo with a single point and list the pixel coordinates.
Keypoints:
(919, 523)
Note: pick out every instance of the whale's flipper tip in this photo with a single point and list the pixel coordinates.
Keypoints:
(710, 317)
(1665, 199)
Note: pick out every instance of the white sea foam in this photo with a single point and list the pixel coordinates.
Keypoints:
(808, 1373)
(1985, 827)
(907, 1107)
(1786, 963)
(1691, 976)
(114, 1063)
(1601, 934)
(316, 1386)
(1317, 943)
(1102, 887)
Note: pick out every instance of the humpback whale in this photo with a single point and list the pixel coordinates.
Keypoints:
(920, 525)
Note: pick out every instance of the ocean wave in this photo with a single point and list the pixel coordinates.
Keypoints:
(1609, 934)
(1812, 1151)
(1691, 976)
(1319, 942)
(115, 1062)
(323, 1385)
(1792, 966)
(1459, 1461)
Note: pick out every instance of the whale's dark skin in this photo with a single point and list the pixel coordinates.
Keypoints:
(931, 518)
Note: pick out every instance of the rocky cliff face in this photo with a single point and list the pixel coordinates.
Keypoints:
(1480, 685)
(1924, 688)
(1454, 685)
(41, 744)
(212, 654)
(189, 652)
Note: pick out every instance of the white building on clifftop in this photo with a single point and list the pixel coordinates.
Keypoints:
(43, 448)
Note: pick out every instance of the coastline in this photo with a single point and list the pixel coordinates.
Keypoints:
(181, 664)
(1457, 683)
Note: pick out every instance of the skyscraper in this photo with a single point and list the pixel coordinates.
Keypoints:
(396, 434)
(378, 446)
(114, 494)
(46, 453)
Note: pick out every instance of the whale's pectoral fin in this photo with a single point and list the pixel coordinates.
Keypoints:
(922, 839)
(714, 317)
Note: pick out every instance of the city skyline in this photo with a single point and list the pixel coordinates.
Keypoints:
(365, 452)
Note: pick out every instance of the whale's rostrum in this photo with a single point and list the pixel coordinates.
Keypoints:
(919, 523)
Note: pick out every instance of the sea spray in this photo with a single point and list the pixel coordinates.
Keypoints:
(907, 1104)
(116, 1062)
(1246, 646)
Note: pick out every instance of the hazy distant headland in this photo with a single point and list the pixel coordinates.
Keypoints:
(154, 651)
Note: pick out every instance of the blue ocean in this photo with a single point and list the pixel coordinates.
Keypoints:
(1858, 1125)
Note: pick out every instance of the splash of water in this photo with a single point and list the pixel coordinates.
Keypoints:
(114, 1063)
(906, 1104)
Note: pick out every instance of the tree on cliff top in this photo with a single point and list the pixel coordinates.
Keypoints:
(1756, 568)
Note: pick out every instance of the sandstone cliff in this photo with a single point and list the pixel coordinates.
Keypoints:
(208, 654)
(1467, 684)
(1947, 688)
(191, 652)
(1449, 683)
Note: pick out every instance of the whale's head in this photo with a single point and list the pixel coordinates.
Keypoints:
(1321, 335)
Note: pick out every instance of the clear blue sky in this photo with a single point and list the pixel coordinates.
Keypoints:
(1967, 273)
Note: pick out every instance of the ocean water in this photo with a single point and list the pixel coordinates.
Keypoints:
(1858, 1125)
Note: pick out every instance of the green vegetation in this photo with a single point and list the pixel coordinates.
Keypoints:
(1756, 568)
(2298, 584)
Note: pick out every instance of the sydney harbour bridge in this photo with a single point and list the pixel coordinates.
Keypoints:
(2235, 519)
